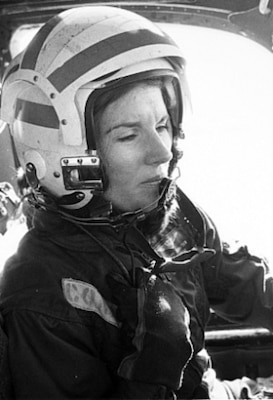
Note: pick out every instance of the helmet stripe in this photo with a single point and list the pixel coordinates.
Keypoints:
(36, 114)
(102, 51)
(33, 50)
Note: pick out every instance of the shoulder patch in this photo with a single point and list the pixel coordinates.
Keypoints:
(86, 297)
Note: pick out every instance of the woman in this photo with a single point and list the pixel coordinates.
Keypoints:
(108, 295)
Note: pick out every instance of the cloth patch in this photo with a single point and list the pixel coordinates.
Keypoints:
(86, 297)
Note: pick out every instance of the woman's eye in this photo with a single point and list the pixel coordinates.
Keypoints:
(165, 127)
(127, 138)
(160, 127)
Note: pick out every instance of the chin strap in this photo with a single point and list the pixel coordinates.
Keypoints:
(102, 213)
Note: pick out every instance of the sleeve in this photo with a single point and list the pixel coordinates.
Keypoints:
(155, 323)
(52, 358)
(238, 285)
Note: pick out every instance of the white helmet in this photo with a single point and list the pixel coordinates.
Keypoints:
(46, 89)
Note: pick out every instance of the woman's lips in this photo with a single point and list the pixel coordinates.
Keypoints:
(153, 181)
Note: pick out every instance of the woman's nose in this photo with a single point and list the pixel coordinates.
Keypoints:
(158, 151)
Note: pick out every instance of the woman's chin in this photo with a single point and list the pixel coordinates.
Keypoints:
(129, 204)
(149, 204)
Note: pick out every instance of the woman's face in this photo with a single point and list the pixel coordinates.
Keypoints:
(135, 147)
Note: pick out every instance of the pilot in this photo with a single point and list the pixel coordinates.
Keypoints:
(110, 291)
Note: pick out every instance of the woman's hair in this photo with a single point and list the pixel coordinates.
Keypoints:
(157, 220)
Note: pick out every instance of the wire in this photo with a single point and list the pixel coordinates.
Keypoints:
(106, 249)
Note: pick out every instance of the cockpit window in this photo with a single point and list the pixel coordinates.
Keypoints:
(228, 159)
(21, 37)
